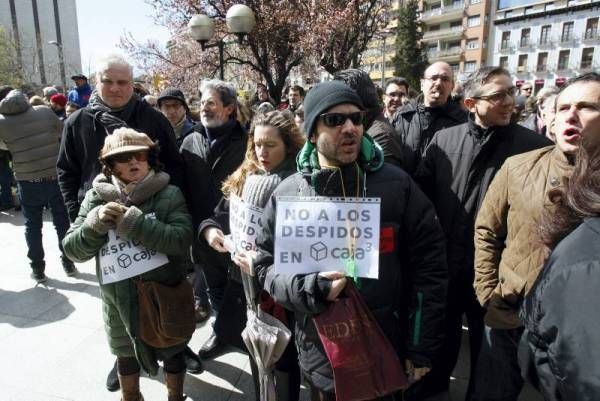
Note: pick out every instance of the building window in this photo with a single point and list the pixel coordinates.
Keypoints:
(528, 10)
(505, 44)
(587, 56)
(525, 35)
(470, 66)
(454, 24)
(475, 1)
(549, 6)
(591, 28)
(504, 62)
(542, 62)
(522, 66)
(545, 34)
(455, 68)
(472, 44)
(434, 28)
(508, 14)
(563, 60)
(567, 32)
(473, 21)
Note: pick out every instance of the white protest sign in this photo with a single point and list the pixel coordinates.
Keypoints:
(121, 259)
(245, 221)
(324, 234)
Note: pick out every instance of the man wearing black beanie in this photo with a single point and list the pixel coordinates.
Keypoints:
(408, 298)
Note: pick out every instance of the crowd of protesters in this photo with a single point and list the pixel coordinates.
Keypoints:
(487, 197)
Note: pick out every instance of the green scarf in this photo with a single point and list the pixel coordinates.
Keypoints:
(370, 157)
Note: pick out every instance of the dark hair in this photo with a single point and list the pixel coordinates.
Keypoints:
(579, 198)
(588, 77)
(290, 134)
(72, 104)
(4, 90)
(364, 87)
(297, 88)
(398, 81)
(153, 162)
(473, 84)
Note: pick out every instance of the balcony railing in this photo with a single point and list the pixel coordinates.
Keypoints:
(455, 8)
(546, 43)
(450, 52)
(506, 47)
(543, 68)
(525, 44)
(568, 40)
(455, 30)
(522, 69)
(561, 67)
(588, 66)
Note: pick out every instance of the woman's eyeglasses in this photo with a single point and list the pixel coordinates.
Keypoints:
(336, 119)
(126, 157)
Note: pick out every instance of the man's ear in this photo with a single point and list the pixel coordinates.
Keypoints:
(470, 104)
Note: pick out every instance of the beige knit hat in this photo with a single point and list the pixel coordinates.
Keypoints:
(125, 140)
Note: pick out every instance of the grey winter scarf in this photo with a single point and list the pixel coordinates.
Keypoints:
(117, 191)
(111, 118)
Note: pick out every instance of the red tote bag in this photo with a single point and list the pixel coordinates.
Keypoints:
(365, 365)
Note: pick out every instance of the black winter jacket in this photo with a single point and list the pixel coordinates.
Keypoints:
(559, 348)
(408, 299)
(456, 171)
(416, 124)
(383, 133)
(205, 171)
(83, 139)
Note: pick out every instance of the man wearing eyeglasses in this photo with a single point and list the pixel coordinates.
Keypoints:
(417, 122)
(457, 168)
(526, 89)
(395, 96)
(508, 259)
(408, 298)
(112, 105)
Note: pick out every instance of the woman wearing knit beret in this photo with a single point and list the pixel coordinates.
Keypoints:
(273, 142)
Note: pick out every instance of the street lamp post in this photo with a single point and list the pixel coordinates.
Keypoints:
(61, 57)
(240, 21)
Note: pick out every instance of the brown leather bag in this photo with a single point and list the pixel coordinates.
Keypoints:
(166, 314)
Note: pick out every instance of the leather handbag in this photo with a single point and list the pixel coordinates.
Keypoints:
(166, 313)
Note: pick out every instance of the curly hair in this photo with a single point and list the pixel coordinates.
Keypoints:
(292, 137)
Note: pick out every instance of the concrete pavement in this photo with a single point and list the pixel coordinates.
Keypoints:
(53, 344)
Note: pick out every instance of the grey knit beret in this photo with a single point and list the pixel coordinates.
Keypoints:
(324, 96)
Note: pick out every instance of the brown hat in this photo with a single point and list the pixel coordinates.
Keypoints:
(124, 140)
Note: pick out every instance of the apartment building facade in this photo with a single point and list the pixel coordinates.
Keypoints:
(546, 42)
(456, 32)
(46, 38)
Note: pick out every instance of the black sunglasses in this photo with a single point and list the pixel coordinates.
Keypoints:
(336, 119)
(126, 157)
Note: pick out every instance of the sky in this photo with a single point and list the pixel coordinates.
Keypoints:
(103, 22)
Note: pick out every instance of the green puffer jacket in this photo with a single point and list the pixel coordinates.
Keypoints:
(158, 218)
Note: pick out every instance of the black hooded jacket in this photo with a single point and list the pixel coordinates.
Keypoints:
(408, 298)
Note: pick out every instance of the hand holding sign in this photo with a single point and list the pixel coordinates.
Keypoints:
(112, 212)
(215, 238)
(338, 282)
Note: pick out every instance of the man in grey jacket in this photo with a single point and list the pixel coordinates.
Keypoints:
(32, 134)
